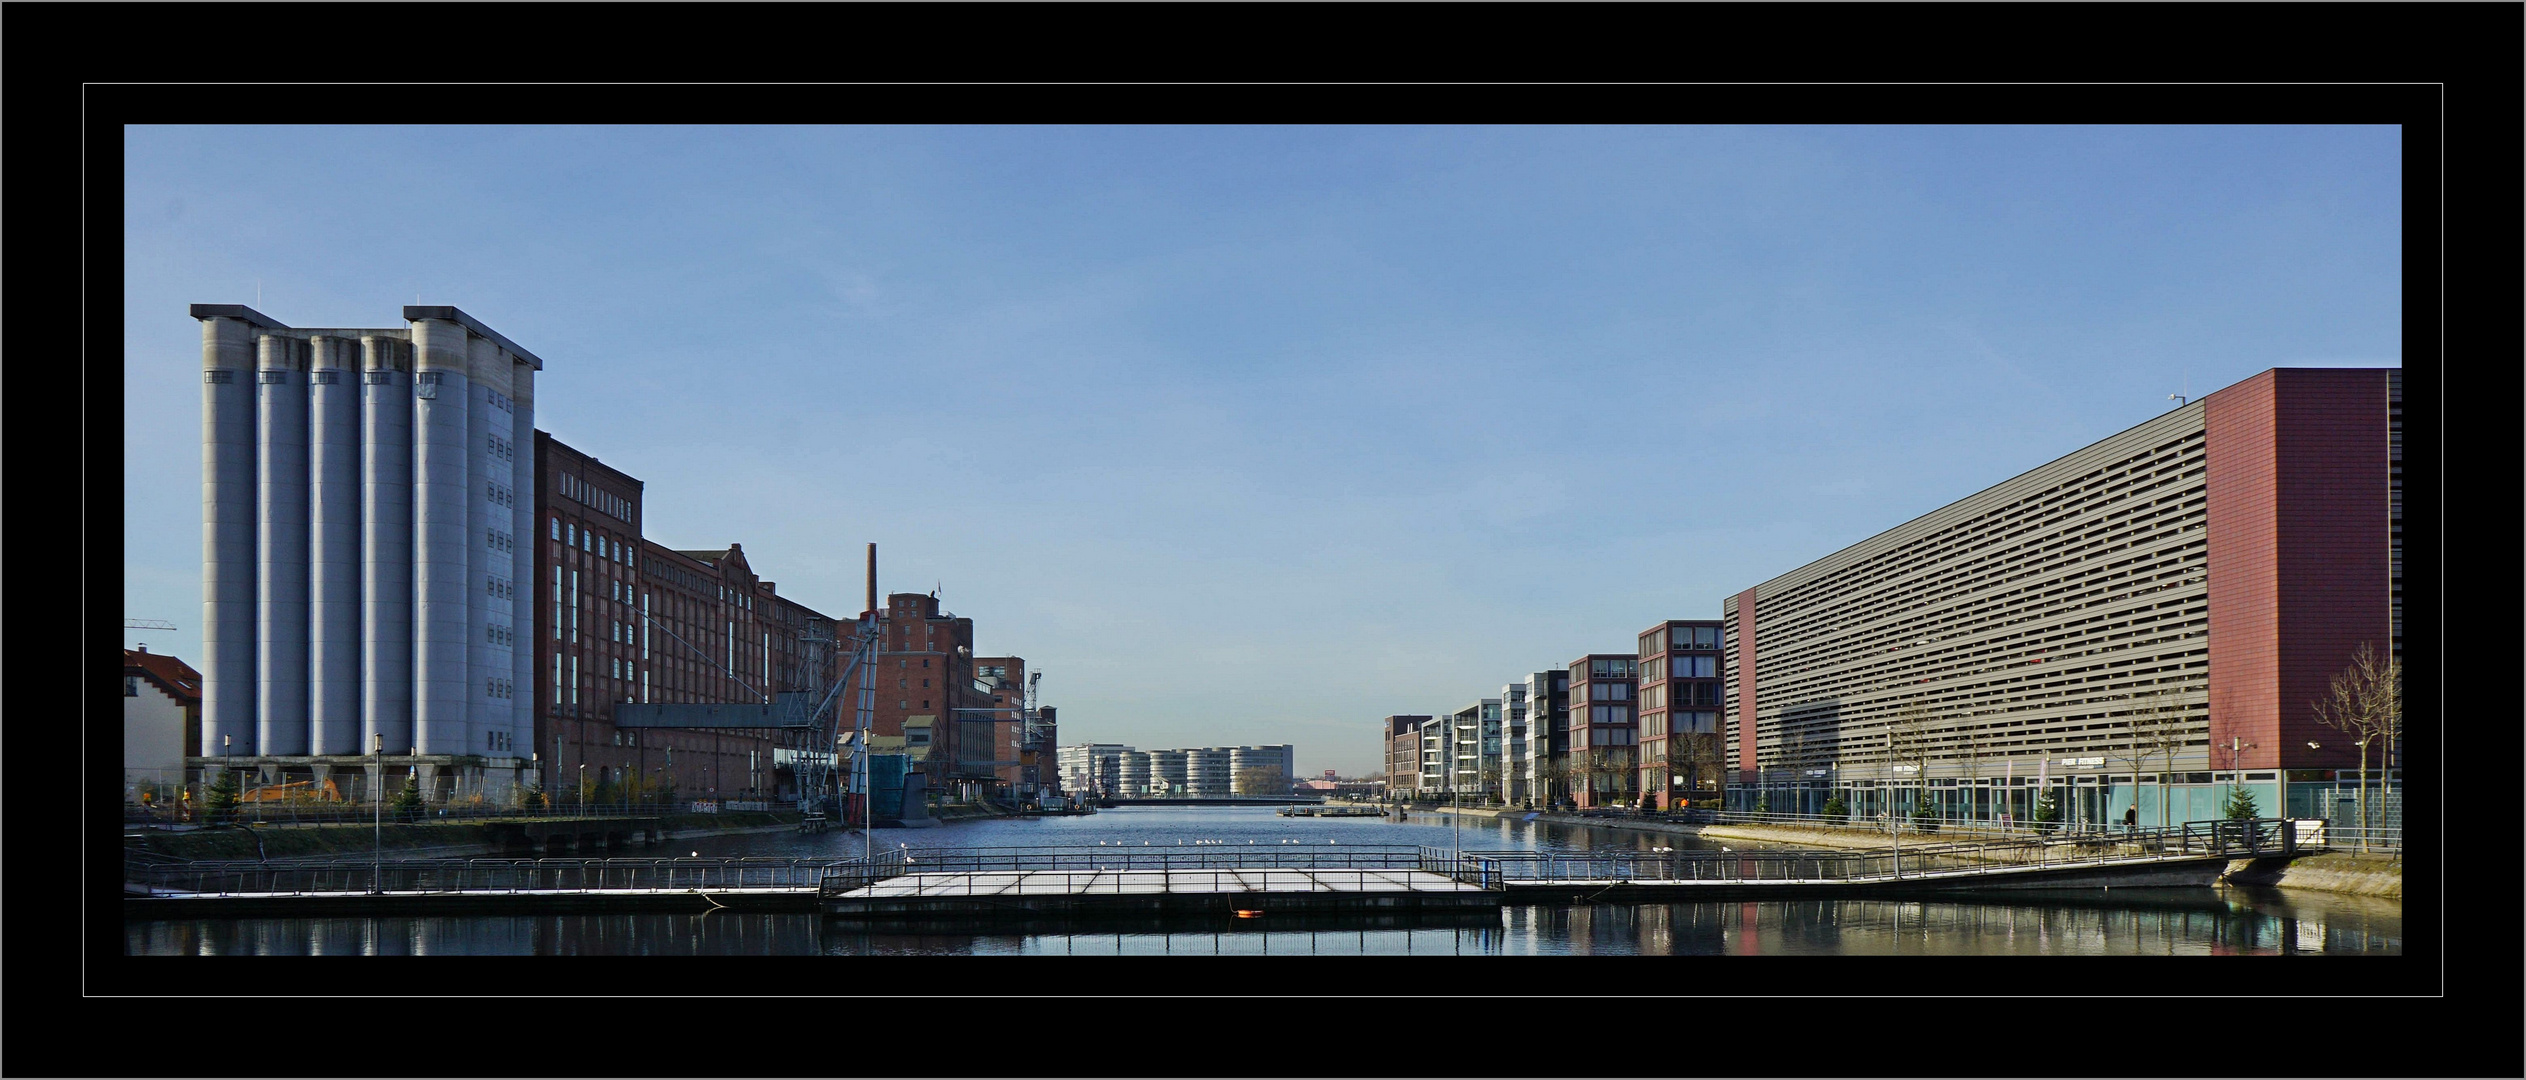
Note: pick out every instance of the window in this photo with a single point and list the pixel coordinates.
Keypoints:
(131, 686)
(1622, 691)
(573, 538)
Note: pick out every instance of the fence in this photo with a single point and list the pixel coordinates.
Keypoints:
(1091, 864)
(2338, 834)
(304, 877)
(350, 813)
(2195, 839)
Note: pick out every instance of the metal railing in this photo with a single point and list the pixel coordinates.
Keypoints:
(1096, 863)
(302, 813)
(312, 877)
(1223, 857)
(1118, 882)
(2233, 839)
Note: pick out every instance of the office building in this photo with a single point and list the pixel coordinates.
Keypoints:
(1402, 736)
(1210, 772)
(2223, 560)
(1094, 770)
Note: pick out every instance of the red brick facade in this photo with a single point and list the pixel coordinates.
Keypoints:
(2299, 556)
(1745, 685)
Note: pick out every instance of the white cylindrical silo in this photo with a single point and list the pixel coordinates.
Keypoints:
(386, 543)
(228, 535)
(441, 473)
(281, 545)
(522, 685)
(333, 501)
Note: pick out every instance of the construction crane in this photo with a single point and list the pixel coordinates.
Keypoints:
(147, 624)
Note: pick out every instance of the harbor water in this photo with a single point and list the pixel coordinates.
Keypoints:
(2135, 922)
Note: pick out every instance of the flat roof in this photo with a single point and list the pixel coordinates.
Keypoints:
(416, 313)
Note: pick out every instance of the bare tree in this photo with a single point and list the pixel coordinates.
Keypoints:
(1657, 773)
(1969, 756)
(1490, 773)
(1709, 761)
(1908, 746)
(1260, 781)
(2159, 720)
(2365, 702)
(2133, 748)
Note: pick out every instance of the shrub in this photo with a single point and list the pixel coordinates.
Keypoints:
(1925, 814)
(2047, 813)
(407, 803)
(219, 803)
(1837, 806)
(2240, 805)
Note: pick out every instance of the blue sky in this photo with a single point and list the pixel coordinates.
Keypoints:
(1258, 434)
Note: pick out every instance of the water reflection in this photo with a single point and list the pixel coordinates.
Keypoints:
(2169, 922)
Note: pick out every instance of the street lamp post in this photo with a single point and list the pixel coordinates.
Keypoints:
(377, 797)
(1893, 819)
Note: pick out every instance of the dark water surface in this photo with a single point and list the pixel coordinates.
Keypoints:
(2137, 922)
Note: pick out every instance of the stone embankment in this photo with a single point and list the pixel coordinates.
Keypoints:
(2336, 872)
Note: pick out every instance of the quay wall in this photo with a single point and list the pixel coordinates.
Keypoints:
(2336, 872)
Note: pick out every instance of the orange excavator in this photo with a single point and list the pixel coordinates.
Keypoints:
(297, 791)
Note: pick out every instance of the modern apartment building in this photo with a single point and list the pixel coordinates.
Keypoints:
(1403, 752)
(1548, 734)
(1475, 766)
(1680, 695)
(1517, 775)
(2223, 560)
(1604, 728)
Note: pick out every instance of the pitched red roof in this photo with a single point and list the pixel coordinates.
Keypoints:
(174, 676)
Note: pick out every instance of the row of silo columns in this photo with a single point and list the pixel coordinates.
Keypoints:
(367, 544)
